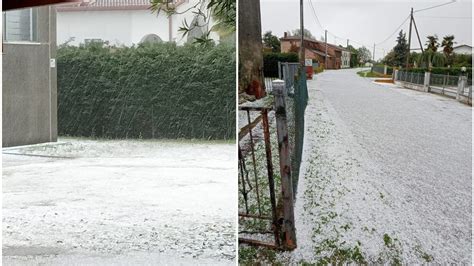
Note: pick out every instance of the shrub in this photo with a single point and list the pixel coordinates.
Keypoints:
(270, 62)
(149, 91)
(319, 69)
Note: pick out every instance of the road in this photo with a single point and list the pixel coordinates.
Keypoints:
(119, 202)
(386, 173)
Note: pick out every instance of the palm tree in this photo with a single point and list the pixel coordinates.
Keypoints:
(432, 43)
(447, 45)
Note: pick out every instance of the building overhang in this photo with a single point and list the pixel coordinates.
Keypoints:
(17, 4)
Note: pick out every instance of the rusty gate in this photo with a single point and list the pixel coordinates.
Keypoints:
(266, 198)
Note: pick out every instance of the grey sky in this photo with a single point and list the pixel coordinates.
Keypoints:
(370, 21)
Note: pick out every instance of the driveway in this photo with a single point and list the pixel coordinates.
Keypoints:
(84, 202)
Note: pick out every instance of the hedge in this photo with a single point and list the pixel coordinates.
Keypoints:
(270, 62)
(151, 91)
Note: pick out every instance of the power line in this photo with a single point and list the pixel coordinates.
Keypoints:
(394, 31)
(316, 16)
(444, 17)
(419, 10)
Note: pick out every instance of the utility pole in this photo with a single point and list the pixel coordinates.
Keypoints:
(326, 53)
(302, 55)
(347, 43)
(373, 54)
(409, 38)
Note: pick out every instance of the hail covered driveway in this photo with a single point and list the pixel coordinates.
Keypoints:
(83, 202)
(386, 176)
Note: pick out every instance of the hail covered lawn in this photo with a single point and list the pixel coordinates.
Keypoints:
(124, 202)
(386, 175)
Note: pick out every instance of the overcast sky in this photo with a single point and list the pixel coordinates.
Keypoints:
(370, 21)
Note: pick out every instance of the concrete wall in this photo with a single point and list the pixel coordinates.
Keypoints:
(29, 94)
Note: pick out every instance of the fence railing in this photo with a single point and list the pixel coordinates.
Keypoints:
(411, 77)
(379, 69)
(459, 87)
(444, 81)
(271, 133)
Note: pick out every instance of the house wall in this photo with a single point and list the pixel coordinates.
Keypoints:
(29, 92)
(123, 27)
(463, 50)
(119, 27)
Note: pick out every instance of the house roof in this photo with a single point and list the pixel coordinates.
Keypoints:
(319, 52)
(293, 38)
(462, 45)
(90, 5)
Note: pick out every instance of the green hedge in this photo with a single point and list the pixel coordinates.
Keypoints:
(270, 62)
(152, 91)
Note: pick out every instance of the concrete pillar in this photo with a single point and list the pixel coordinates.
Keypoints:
(426, 83)
(385, 69)
(395, 75)
(462, 83)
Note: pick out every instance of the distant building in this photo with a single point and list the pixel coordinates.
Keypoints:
(127, 22)
(462, 49)
(337, 57)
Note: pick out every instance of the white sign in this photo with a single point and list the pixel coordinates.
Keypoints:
(308, 62)
(52, 62)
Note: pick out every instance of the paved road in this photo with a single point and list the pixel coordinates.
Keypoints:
(412, 148)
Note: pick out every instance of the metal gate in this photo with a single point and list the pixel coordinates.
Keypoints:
(271, 136)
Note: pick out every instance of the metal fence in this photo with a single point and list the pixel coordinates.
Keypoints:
(444, 81)
(458, 87)
(288, 72)
(411, 77)
(378, 69)
(272, 136)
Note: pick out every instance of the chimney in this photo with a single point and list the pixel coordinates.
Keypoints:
(285, 34)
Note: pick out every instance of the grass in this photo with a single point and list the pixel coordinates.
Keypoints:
(369, 74)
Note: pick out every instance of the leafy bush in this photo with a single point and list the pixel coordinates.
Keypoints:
(318, 69)
(149, 91)
(270, 62)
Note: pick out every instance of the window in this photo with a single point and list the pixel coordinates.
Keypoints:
(20, 25)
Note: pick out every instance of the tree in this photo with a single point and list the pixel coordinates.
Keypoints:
(364, 54)
(432, 43)
(400, 50)
(389, 58)
(222, 11)
(251, 83)
(432, 59)
(461, 60)
(355, 60)
(306, 33)
(447, 44)
(271, 41)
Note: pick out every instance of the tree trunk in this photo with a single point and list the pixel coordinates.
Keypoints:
(251, 82)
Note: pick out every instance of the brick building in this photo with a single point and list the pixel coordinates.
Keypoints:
(338, 57)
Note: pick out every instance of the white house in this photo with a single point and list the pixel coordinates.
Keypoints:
(126, 22)
(345, 59)
(462, 49)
